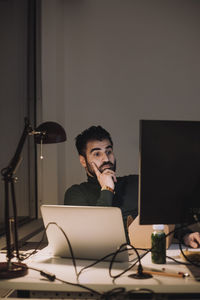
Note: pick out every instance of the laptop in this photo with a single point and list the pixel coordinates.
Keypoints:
(93, 231)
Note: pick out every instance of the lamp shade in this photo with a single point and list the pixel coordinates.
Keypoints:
(49, 133)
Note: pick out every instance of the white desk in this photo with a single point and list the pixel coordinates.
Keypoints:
(98, 277)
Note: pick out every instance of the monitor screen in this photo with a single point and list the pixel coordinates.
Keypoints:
(169, 181)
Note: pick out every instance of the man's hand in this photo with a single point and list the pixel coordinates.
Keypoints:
(107, 177)
(192, 239)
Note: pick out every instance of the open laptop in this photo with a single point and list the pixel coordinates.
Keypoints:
(93, 232)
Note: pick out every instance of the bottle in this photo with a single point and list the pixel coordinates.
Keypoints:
(158, 244)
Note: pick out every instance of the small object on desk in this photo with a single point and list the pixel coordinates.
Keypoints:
(185, 274)
(158, 242)
(49, 276)
(160, 273)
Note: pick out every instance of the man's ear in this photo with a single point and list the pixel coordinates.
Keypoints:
(82, 161)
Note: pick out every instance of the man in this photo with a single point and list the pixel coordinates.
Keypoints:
(103, 187)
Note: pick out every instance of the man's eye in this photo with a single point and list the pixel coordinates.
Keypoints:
(96, 154)
(109, 152)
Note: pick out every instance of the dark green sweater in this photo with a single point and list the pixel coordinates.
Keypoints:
(89, 194)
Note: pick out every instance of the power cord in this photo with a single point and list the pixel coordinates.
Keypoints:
(95, 262)
(193, 263)
(178, 261)
(52, 277)
(122, 248)
(139, 274)
(108, 295)
(123, 294)
(189, 261)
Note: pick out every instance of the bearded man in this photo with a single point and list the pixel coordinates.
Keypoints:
(103, 187)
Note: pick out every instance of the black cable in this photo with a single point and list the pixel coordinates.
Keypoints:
(70, 246)
(113, 293)
(119, 291)
(52, 277)
(114, 254)
(187, 258)
(68, 241)
(116, 292)
(99, 260)
(36, 248)
(131, 293)
(148, 250)
(178, 261)
(79, 285)
(179, 228)
(95, 262)
(131, 266)
(190, 262)
(113, 259)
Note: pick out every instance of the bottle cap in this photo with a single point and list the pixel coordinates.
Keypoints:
(158, 227)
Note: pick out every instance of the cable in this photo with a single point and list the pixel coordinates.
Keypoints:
(138, 274)
(95, 262)
(99, 260)
(108, 295)
(191, 262)
(52, 277)
(123, 294)
(114, 254)
(147, 250)
(36, 248)
(69, 244)
(179, 262)
(178, 229)
(187, 258)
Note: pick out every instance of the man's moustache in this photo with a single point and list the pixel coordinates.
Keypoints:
(109, 164)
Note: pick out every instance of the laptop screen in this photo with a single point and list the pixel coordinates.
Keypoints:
(93, 232)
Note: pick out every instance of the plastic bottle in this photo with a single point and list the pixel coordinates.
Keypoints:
(158, 244)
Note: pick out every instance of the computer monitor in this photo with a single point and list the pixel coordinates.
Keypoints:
(169, 181)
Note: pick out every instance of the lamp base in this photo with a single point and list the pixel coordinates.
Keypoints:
(12, 270)
(140, 275)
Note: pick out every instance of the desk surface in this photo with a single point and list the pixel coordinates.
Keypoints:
(97, 277)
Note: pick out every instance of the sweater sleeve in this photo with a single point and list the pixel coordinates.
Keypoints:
(105, 199)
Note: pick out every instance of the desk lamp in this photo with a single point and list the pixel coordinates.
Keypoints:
(45, 133)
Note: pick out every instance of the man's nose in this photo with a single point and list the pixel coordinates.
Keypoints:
(105, 157)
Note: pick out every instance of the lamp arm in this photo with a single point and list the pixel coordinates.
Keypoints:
(7, 174)
(9, 170)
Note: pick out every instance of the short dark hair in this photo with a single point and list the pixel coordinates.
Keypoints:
(93, 133)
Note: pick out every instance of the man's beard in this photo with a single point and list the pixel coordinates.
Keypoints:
(108, 165)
